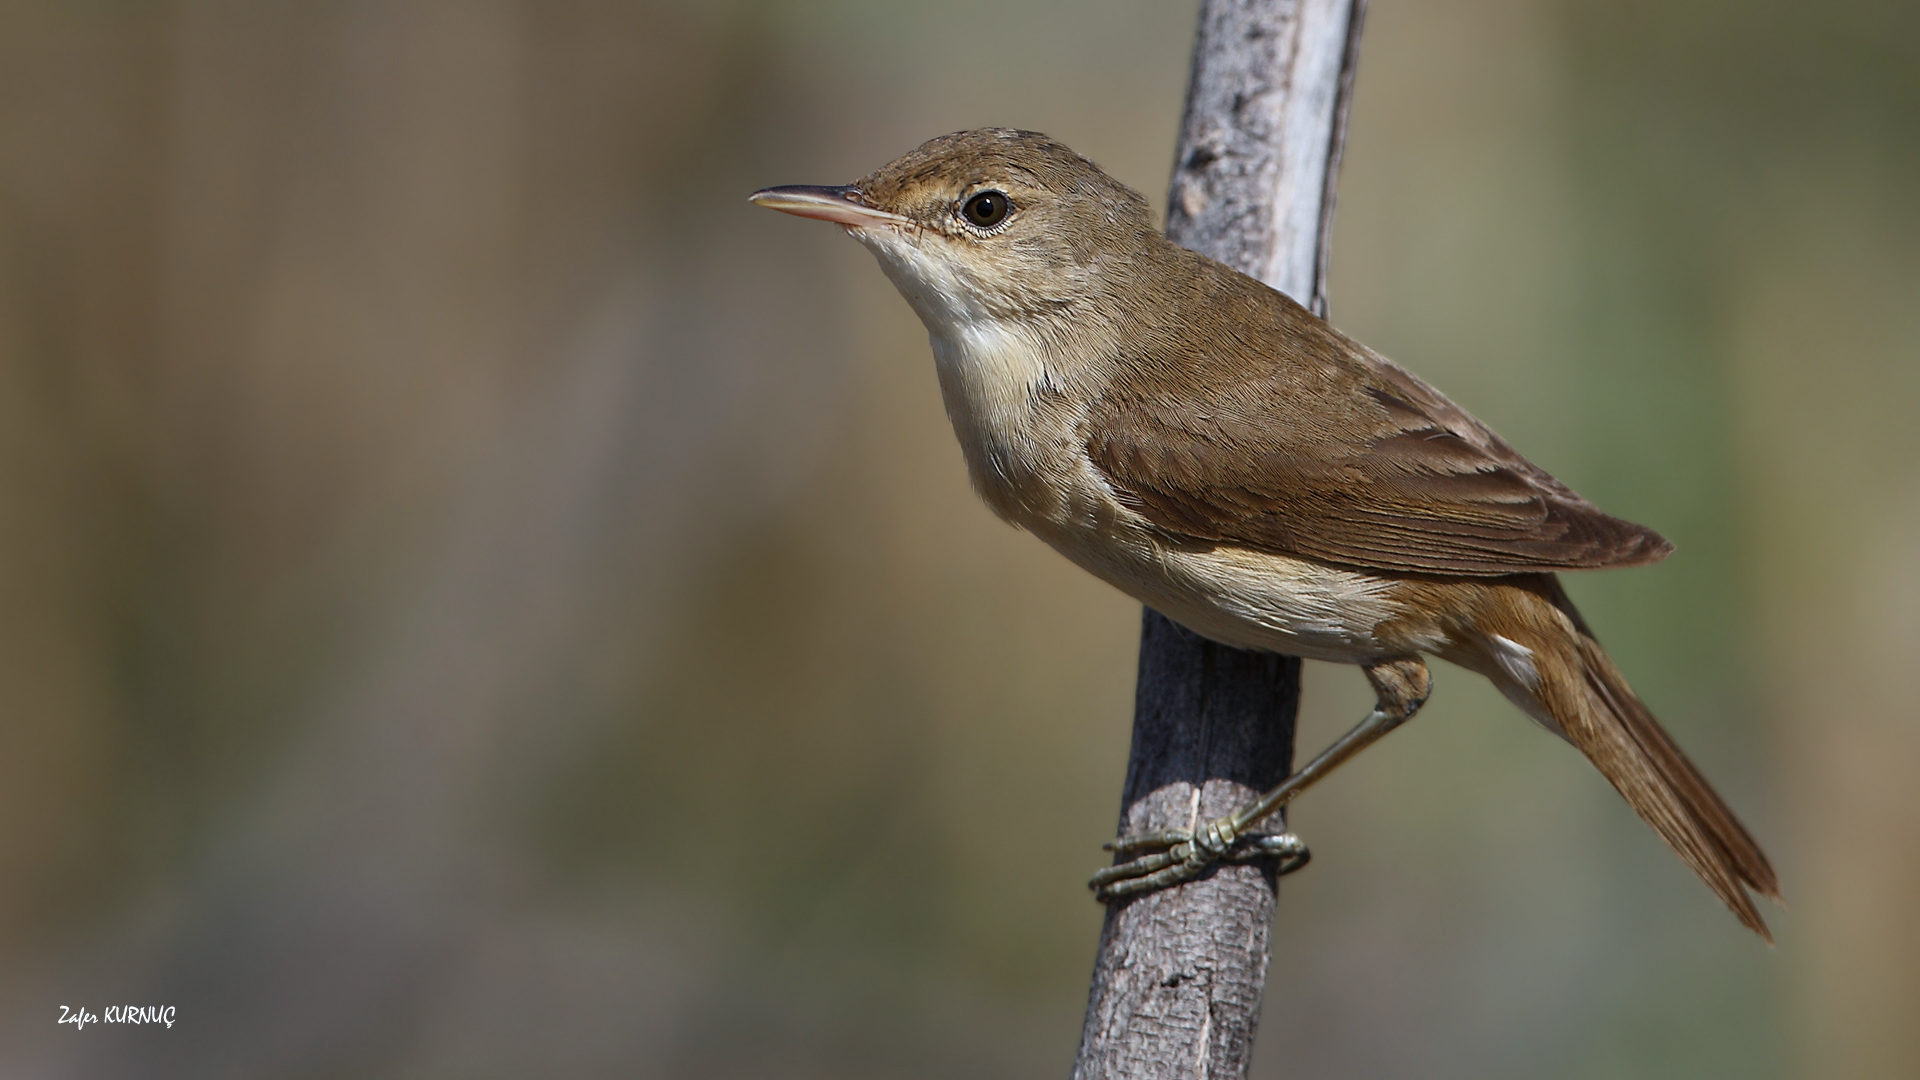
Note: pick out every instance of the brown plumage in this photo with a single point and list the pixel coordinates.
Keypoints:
(1210, 447)
(1581, 695)
(1274, 431)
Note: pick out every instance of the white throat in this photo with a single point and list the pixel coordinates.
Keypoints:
(993, 371)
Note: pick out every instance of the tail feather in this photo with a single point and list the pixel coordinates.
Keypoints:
(1642, 762)
(1566, 675)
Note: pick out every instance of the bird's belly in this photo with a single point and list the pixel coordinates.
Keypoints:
(1238, 597)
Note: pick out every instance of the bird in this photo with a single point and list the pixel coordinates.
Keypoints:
(1213, 449)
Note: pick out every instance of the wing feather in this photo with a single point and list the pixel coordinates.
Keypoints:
(1321, 448)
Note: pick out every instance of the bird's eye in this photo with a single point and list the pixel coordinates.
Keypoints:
(987, 209)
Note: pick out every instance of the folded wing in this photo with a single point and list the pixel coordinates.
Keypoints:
(1353, 461)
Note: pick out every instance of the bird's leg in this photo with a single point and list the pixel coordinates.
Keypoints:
(1178, 855)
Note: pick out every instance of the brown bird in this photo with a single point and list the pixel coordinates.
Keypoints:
(1211, 448)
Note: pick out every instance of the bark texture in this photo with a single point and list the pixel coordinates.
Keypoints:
(1178, 980)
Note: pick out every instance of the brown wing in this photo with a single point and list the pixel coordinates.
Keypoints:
(1324, 449)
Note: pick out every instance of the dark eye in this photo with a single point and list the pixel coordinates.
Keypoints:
(987, 209)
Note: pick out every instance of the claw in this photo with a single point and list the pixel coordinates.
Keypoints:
(1163, 839)
(1136, 868)
(1277, 845)
(1185, 855)
(1184, 870)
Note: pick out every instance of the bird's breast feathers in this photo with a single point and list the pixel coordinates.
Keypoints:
(1024, 442)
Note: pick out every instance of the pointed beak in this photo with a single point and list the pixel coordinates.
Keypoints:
(842, 205)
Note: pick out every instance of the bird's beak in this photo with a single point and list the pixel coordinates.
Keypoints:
(843, 205)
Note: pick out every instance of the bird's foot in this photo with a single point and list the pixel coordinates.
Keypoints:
(1181, 855)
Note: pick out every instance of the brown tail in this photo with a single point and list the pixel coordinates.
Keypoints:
(1599, 713)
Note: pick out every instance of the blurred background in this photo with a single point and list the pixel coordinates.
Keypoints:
(477, 598)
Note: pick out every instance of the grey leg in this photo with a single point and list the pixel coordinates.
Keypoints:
(1182, 855)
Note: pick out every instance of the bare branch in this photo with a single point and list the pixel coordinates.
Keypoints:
(1180, 973)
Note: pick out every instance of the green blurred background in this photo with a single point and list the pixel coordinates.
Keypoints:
(477, 598)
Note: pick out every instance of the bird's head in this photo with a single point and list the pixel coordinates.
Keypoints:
(991, 225)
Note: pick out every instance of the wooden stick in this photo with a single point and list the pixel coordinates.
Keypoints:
(1180, 973)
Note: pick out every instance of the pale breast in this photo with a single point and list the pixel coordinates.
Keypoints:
(1013, 426)
(1021, 422)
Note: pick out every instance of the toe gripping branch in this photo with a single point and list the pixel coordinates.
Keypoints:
(1183, 855)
